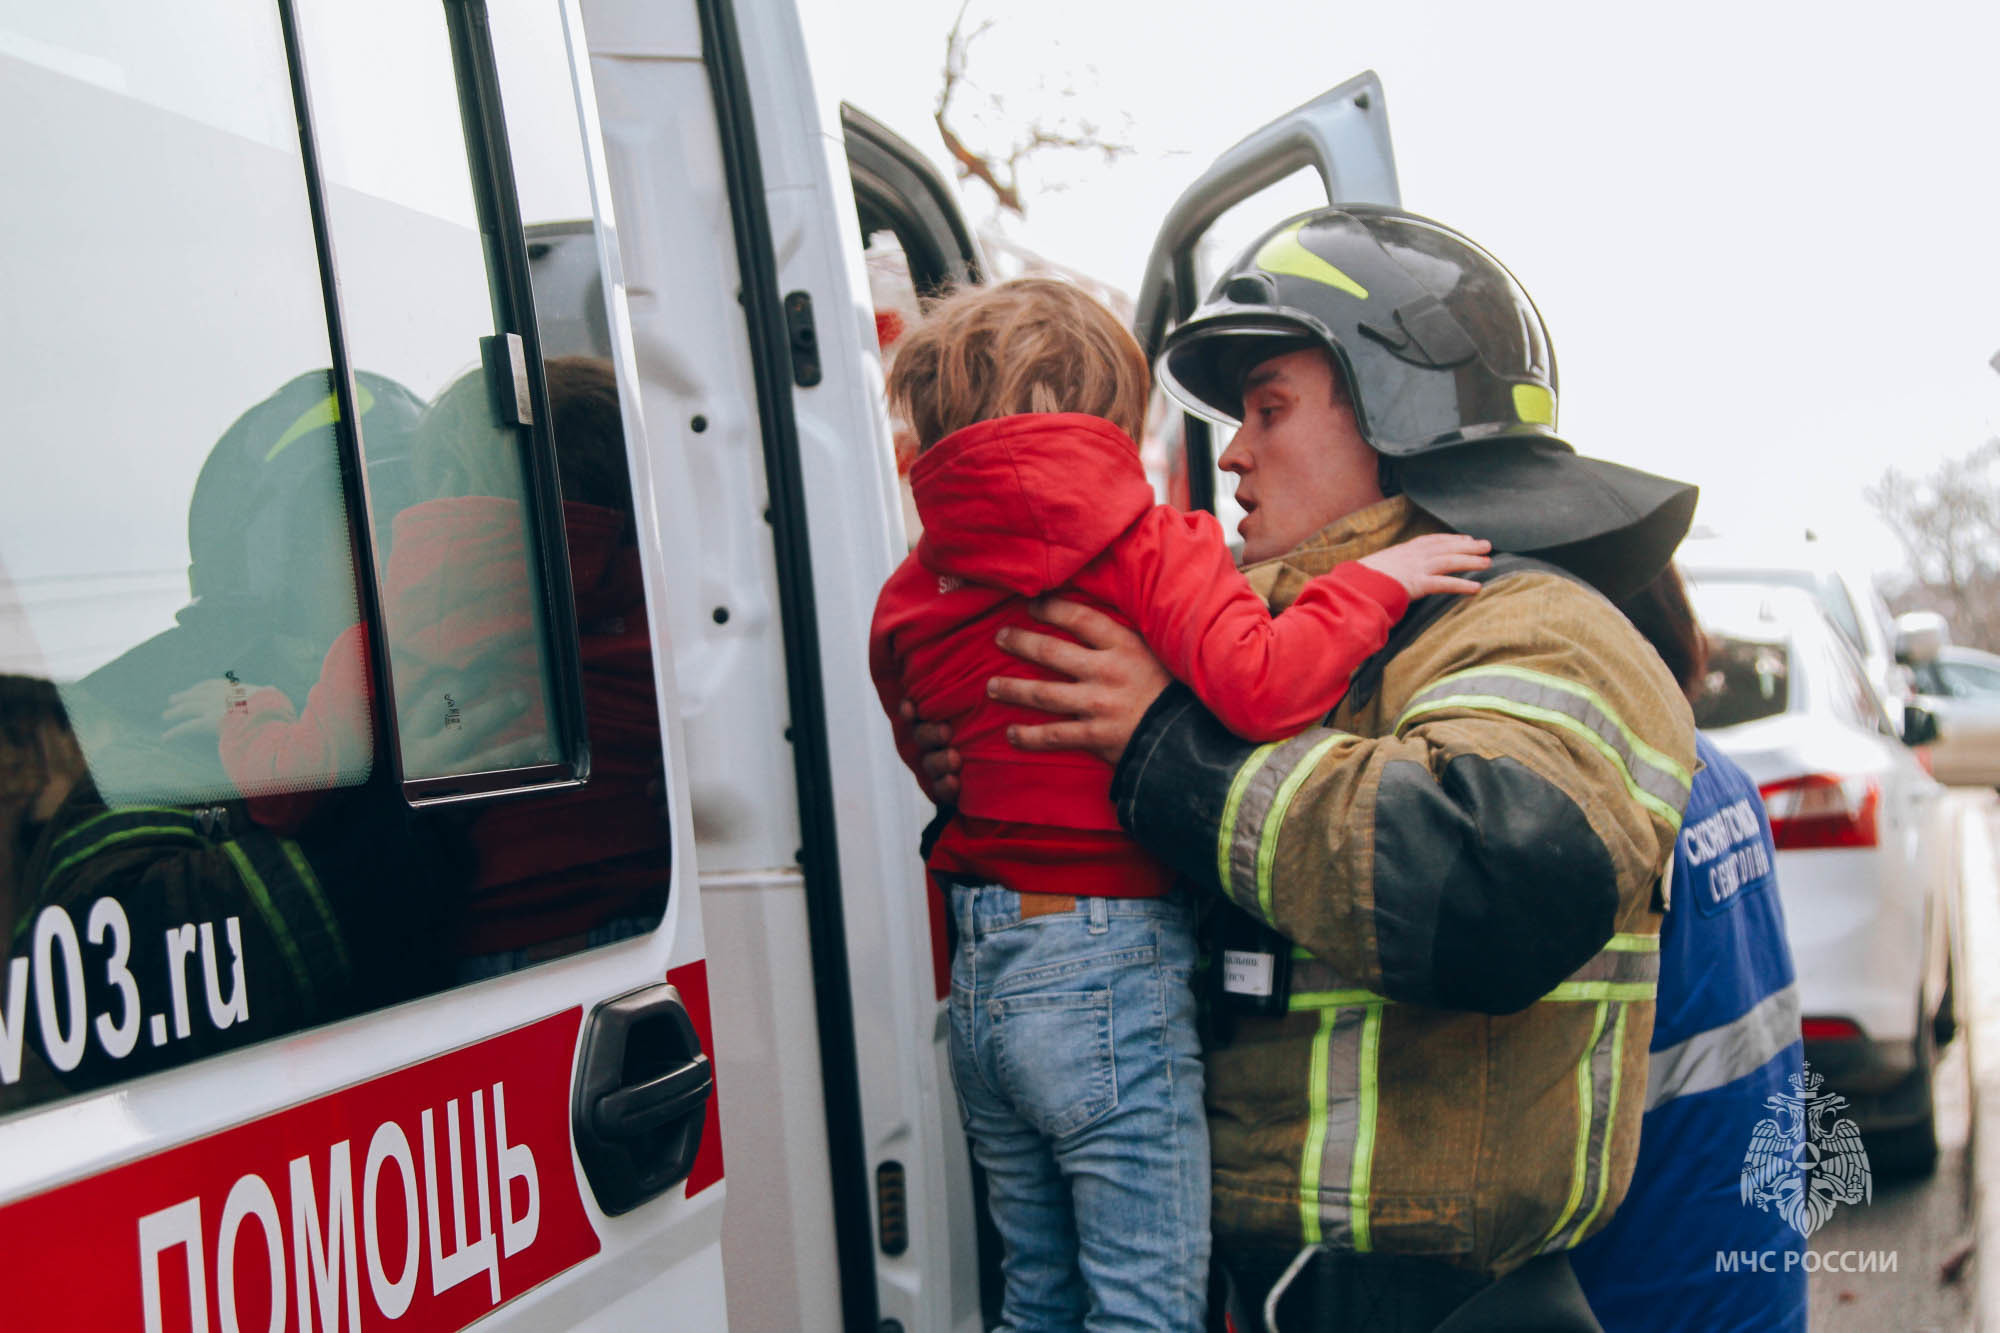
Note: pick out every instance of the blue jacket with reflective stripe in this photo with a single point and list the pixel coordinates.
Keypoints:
(1725, 982)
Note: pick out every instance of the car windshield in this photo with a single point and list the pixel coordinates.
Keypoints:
(1747, 679)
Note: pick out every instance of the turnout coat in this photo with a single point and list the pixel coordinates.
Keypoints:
(1466, 856)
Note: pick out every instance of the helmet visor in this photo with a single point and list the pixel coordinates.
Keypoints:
(1205, 375)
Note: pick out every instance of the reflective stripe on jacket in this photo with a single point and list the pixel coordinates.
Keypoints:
(268, 874)
(1466, 858)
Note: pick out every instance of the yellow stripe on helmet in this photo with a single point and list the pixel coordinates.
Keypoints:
(1534, 404)
(319, 416)
(1285, 254)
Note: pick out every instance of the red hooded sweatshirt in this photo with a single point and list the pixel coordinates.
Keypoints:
(1058, 503)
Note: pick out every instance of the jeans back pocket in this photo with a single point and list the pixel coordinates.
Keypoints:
(1054, 1057)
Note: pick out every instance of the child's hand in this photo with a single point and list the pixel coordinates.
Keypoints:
(198, 709)
(1423, 565)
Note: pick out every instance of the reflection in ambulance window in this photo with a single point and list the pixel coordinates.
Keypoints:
(592, 867)
(39, 764)
(174, 535)
(467, 640)
(169, 899)
(202, 842)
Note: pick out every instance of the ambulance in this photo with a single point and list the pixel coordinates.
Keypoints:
(454, 867)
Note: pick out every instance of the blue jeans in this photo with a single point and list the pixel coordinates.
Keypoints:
(1079, 1080)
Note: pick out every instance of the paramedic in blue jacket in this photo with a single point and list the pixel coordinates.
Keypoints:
(1726, 1037)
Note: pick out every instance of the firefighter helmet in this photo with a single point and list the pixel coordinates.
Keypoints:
(1437, 343)
(1452, 379)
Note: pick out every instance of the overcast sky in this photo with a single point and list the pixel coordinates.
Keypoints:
(1763, 235)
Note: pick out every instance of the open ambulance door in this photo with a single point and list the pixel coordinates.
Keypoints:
(353, 967)
(915, 244)
(1343, 136)
(738, 185)
(898, 192)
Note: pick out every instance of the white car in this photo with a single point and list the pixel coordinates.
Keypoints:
(1866, 843)
(1962, 687)
(1845, 594)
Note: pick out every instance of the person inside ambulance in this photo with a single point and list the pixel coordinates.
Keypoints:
(39, 765)
(592, 868)
(1437, 918)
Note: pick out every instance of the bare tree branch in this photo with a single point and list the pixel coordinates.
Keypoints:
(1949, 526)
(998, 172)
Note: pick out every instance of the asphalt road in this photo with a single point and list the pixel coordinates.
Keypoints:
(1926, 1224)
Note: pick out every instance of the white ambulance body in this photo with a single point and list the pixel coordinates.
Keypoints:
(456, 866)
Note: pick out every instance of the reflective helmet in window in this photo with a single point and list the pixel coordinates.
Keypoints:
(268, 515)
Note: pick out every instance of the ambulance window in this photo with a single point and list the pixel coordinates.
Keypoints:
(175, 549)
(595, 864)
(465, 517)
(203, 841)
(446, 132)
(172, 530)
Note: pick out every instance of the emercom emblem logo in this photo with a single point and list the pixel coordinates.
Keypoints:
(1799, 1164)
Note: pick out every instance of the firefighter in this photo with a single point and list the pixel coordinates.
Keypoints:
(1440, 944)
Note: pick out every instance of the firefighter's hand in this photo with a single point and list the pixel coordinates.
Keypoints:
(940, 762)
(1114, 679)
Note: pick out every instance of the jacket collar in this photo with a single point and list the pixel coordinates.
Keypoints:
(1280, 579)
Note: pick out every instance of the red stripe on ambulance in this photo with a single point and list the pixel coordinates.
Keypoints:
(427, 1196)
(691, 980)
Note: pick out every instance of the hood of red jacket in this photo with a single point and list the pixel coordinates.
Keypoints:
(1024, 502)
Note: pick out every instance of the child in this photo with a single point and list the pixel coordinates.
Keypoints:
(1072, 1024)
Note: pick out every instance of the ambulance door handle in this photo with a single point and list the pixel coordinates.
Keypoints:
(630, 1112)
(641, 1098)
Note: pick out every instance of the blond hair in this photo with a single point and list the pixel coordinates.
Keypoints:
(1029, 345)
